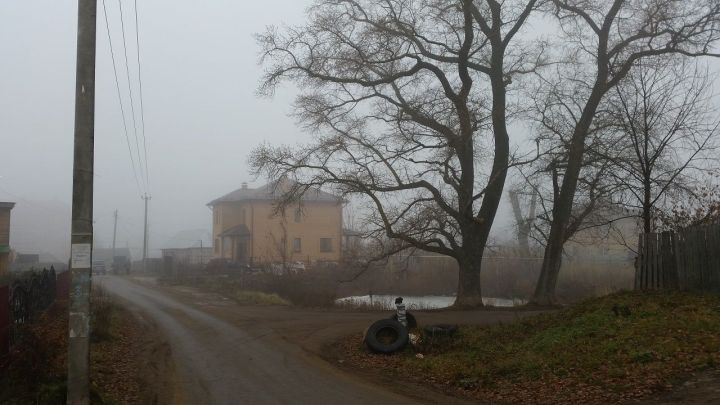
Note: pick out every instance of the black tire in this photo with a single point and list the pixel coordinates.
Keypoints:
(410, 318)
(386, 336)
(440, 330)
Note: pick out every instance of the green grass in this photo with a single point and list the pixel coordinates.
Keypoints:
(665, 335)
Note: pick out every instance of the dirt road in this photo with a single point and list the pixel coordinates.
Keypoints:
(230, 354)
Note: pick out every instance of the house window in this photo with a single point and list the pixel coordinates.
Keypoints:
(216, 214)
(217, 245)
(297, 245)
(326, 244)
(298, 214)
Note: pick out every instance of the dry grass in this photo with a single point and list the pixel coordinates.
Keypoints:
(243, 297)
(37, 365)
(584, 354)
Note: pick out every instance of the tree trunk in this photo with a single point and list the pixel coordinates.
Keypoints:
(476, 229)
(563, 204)
(469, 291)
(647, 207)
(522, 224)
(549, 272)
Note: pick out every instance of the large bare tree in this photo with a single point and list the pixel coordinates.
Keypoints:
(605, 40)
(409, 105)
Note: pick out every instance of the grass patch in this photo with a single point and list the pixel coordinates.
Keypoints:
(617, 347)
(305, 290)
(258, 298)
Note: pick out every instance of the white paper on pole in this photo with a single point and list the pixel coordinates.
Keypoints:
(81, 255)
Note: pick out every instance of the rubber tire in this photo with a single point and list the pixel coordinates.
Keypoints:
(376, 346)
(440, 330)
(410, 318)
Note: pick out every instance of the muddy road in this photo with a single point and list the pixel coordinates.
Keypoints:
(230, 354)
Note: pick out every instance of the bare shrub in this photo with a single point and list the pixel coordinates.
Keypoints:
(102, 312)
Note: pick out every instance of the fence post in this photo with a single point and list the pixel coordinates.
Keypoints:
(668, 261)
(679, 250)
(639, 259)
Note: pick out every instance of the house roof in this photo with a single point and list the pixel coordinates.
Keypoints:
(273, 191)
(4, 204)
(238, 230)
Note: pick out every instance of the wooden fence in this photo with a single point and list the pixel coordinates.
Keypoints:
(688, 259)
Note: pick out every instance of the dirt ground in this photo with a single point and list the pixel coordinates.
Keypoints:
(316, 331)
(227, 353)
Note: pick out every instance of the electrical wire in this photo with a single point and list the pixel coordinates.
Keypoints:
(132, 101)
(122, 109)
(142, 106)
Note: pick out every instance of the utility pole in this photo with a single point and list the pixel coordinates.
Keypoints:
(78, 386)
(145, 233)
(114, 238)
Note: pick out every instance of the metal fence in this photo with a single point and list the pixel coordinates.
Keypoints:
(27, 296)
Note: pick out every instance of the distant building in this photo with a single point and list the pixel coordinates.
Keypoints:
(5, 208)
(191, 255)
(118, 261)
(247, 229)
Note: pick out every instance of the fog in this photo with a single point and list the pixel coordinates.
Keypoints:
(202, 116)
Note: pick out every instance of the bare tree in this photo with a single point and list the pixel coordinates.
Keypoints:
(594, 206)
(663, 112)
(700, 207)
(523, 222)
(409, 105)
(606, 40)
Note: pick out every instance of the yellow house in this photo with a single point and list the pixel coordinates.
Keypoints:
(246, 228)
(5, 208)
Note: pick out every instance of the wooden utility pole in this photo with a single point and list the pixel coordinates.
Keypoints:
(145, 233)
(112, 261)
(78, 386)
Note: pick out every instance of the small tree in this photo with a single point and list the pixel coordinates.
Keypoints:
(408, 102)
(664, 115)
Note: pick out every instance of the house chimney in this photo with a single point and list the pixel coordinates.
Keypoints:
(244, 185)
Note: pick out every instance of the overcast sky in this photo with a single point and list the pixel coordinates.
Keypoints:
(202, 117)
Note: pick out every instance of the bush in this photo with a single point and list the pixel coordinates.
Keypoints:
(306, 290)
(258, 298)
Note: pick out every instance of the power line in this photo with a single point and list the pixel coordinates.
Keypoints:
(132, 101)
(122, 109)
(142, 107)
